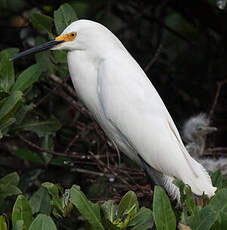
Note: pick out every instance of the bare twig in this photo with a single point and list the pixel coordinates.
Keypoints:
(155, 58)
(100, 162)
(91, 172)
(219, 86)
(40, 148)
(217, 149)
(64, 84)
(70, 144)
(46, 96)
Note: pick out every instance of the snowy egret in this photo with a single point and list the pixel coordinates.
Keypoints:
(195, 131)
(124, 102)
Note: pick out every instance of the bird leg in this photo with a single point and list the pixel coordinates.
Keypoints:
(150, 173)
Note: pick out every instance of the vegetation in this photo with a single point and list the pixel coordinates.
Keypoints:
(52, 150)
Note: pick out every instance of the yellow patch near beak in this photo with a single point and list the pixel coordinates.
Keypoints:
(66, 37)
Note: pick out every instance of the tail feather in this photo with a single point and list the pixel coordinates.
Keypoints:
(199, 183)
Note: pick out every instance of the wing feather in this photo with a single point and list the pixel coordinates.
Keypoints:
(132, 105)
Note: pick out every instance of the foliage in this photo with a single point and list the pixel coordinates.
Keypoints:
(51, 203)
(47, 135)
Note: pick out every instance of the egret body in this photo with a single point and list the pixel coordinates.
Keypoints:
(123, 101)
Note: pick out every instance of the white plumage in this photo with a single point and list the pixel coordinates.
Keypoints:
(122, 99)
(195, 131)
(128, 108)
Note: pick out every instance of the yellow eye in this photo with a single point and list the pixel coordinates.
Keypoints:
(67, 37)
(73, 34)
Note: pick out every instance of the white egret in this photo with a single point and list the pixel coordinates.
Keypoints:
(124, 102)
(195, 131)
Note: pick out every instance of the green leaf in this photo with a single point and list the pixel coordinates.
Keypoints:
(217, 179)
(60, 56)
(10, 179)
(42, 22)
(3, 224)
(26, 154)
(110, 226)
(204, 220)
(108, 210)
(53, 191)
(219, 205)
(9, 190)
(89, 210)
(10, 106)
(40, 202)
(10, 51)
(22, 211)
(52, 188)
(190, 203)
(42, 128)
(44, 58)
(19, 225)
(27, 78)
(63, 17)
(128, 202)
(43, 222)
(163, 214)
(22, 111)
(7, 123)
(47, 143)
(142, 220)
(7, 75)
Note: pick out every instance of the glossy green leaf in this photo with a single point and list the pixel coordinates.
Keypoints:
(40, 201)
(205, 219)
(56, 200)
(42, 22)
(9, 190)
(44, 58)
(10, 51)
(63, 17)
(3, 224)
(10, 106)
(89, 210)
(127, 203)
(144, 226)
(42, 128)
(10, 179)
(7, 75)
(190, 202)
(52, 188)
(47, 143)
(7, 123)
(26, 154)
(22, 211)
(164, 216)
(142, 220)
(219, 205)
(22, 111)
(27, 78)
(108, 210)
(60, 56)
(109, 225)
(19, 225)
(43, 222)
(217, 179)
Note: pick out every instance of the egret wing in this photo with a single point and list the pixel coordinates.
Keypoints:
(132, 105)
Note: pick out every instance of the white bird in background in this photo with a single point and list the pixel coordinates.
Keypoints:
(126, 105)
(195, 131)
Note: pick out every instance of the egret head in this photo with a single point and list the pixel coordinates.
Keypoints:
(197, 127)
(79, 35)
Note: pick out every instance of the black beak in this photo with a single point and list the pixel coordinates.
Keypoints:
(44, 46)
